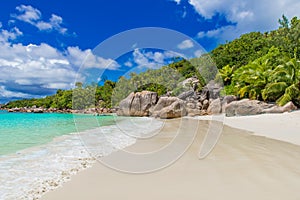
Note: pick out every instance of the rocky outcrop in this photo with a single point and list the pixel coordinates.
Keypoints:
(190, 83)
(169, 107)
(277, 109)
(211, 91)
(194, 103)
(254, 107)
(186, 94)
(38, 110)
(243, 107)
(176, 109)
(27, 110)
(215, 107)
(137, 104)
(226, 100)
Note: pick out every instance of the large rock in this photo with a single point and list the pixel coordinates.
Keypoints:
(186, 94)
(191, 83)
(244, 107)
(215, 107)
(169, 107)
(176, 109)
(277, 109)
(38, 110)
(227, 100)
(137, 104)
(211, 91)
(125, 105)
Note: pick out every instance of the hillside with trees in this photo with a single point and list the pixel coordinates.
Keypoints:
(262, 66)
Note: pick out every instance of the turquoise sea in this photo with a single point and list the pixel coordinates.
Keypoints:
(23, 130)
(39, 152)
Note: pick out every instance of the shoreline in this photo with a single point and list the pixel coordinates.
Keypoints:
(45, 167)
(242, 126)
(94, 111)
(243, 165)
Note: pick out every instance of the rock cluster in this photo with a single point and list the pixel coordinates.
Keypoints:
(94, 111)
(192, 103)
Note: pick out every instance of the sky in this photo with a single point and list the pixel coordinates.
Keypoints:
(45, 44)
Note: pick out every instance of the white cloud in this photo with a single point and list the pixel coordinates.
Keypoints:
(222, 33)
(247, 16)
(6, 94)
(87, 59)
(34, 65)
(128, 64)
(186, 44)
(28, 14)
(152, 60)
(33, 16)
(36, 70)
(12, 34)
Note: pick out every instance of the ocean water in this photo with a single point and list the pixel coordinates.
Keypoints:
(39, 152)
(23, 130)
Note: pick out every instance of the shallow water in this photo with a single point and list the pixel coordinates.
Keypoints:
(23, 130)
(40, 151)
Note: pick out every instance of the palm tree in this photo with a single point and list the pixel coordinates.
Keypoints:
(292, 73)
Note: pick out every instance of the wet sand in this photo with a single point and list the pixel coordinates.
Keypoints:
(241, 166)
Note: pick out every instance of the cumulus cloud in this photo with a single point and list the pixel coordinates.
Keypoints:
(88, 60)
(32, 70)
(7, 35)
(27, 14)
(255, 15)
(152, 60)
(186, 44)
(6, 94)
(33, 16)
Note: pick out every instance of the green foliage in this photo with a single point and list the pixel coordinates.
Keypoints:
(284, 22)
(205, 69)
(254, 45)
(104, 93)
(272, 77)
(291, 93)
(270, 72)
(184, 67)
(226, 74)
(273, 91)
(241, 51)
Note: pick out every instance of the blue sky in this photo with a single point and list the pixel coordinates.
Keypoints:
(43, 43)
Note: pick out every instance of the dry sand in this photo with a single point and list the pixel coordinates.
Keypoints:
(241, 166)
(284, 127)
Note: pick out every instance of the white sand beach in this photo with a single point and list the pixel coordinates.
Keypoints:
(243, 165)
(283, 126)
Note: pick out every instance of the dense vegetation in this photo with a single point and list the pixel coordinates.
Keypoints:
(263, 66)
